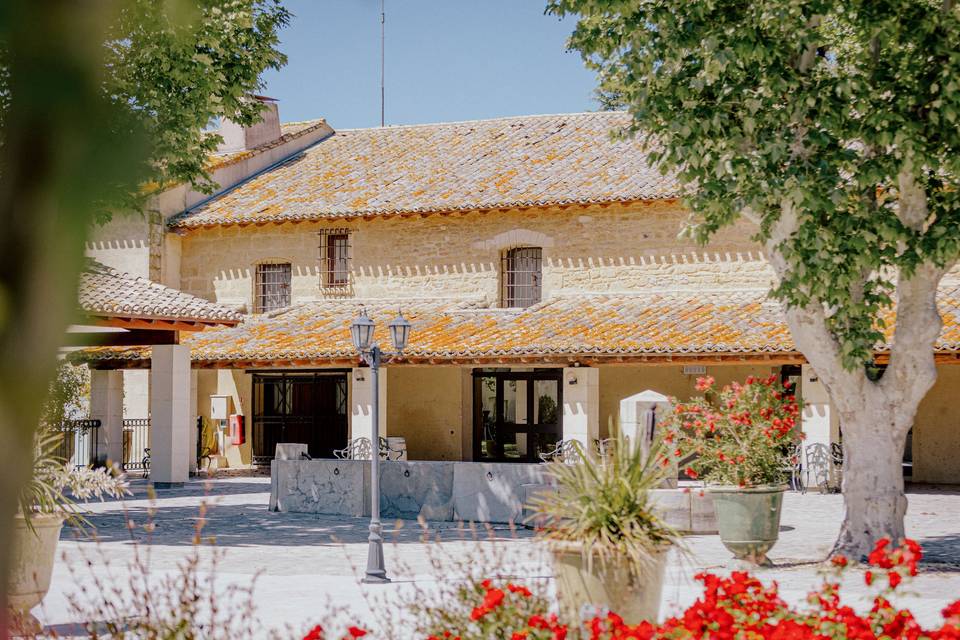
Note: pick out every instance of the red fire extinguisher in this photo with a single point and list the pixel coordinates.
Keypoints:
(236, 429)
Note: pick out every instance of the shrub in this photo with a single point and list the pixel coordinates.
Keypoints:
(739, 435)
(604, 504)
(738, 606)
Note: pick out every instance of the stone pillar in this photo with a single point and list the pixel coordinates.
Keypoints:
(361, 398)
(581, 405)
(106, 405)
(170, 415)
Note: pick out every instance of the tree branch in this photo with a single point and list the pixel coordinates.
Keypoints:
(809, 324)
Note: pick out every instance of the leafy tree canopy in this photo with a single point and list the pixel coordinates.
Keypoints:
(172, 67)
(839, 109)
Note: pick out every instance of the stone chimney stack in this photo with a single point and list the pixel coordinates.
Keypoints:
(239, 138)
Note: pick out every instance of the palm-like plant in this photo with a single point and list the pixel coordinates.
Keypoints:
(604, 505)
(54, 487)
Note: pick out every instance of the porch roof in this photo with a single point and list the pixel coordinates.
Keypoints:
(108, 295)
(577, 328)
(516, 162)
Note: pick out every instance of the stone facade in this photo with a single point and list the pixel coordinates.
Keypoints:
(594, 249)
(584, 250)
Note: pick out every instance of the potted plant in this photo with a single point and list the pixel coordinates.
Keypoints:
(48, 500)
(738, 440)
(608, 544)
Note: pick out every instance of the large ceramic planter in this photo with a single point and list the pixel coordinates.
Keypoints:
(34, 554)
(584, 590)
(748, 519)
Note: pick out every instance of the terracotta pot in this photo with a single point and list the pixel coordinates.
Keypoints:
(34, 554)
(748, 519)
(584, 589)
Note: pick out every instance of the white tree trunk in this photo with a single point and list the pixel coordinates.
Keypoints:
(875, 416)
(873, 496)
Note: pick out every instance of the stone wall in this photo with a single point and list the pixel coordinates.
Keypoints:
(586, 249)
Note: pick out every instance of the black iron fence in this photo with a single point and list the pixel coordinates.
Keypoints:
(77, 442)
(136, 444)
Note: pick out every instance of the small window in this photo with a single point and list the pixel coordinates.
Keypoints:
(522, 277)
(272, 287)
(335, 258)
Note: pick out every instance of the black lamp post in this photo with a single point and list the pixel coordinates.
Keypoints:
(362, 331)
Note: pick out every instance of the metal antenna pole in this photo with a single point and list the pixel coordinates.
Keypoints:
(383, 22)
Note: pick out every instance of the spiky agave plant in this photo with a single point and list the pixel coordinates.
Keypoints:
(53, 486)
(604, 504)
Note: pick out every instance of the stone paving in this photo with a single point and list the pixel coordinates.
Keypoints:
(306, 568)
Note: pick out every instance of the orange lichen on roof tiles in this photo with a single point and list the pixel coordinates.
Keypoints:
(525, 161)
(596, 325)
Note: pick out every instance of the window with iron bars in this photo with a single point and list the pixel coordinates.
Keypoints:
(521, 277)
(335, 258)
(272, 286)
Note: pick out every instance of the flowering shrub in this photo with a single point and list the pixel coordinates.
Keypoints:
(734, 607)
(739, 435)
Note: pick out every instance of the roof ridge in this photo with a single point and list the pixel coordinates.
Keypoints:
(481, 120)
(672, 293)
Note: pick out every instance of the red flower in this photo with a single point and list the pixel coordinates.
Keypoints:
(690, 473)
(478, 612)
(839, 561)
(868, 578)
(516, 588)
(356, 632)
(493, 599)
(314, 634)
(894, 578)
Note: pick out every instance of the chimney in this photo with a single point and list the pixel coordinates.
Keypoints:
(239, 138)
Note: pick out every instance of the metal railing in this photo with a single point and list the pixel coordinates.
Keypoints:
(136, 445)
(77, 442)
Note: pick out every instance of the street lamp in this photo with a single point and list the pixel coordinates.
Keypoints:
(362, 331)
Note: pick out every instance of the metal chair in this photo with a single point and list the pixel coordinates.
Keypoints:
(566, 451)
(794, 467)
(819, 461)
(356, 449)
(836, 453)
(360, 449)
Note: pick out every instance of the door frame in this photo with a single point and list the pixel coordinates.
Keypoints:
(552, 374)
(257, 418)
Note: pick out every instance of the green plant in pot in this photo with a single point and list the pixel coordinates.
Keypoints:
(739, 440)
(608, 543)
(49, 499)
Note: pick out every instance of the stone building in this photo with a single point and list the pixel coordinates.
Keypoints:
(538, 259)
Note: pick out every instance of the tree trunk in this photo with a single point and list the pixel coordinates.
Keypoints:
(873, 496)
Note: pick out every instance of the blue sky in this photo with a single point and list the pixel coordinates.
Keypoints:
(446, 60)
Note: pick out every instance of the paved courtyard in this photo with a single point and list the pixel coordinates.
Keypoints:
(305, 568)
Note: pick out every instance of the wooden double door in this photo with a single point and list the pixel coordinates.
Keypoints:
(306, 407)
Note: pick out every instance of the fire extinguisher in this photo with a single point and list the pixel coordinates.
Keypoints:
(237, 434)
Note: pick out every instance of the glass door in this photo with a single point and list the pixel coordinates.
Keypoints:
(517, 415)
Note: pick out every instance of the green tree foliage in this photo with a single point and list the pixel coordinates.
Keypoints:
(96, 99)
(179, 70)
(825, 106)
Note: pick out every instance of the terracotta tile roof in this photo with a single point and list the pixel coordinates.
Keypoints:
(106, 292)
(577, 326)
(507, 162)
(288, 131)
